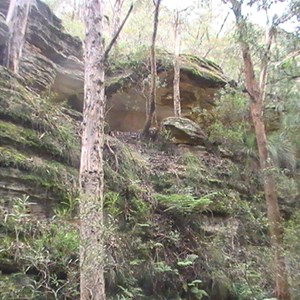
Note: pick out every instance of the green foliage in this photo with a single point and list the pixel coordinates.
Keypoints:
(112, 204)
(249, 278)
(194, 171)
(184, 204)
(44, 252)
(148, 252)
(48, 174)
(195, 290)
(292, 244)
(123, 167)
(282, 151)
(231, 120)
(192, 230)
(188, 261)
(128, 207)
(162, 267)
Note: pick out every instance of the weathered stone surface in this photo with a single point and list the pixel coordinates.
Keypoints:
(183, 131)
(53, 61)
(39, 146)
(52, 58)
(4, 31)
(45, 34)
(199, 81)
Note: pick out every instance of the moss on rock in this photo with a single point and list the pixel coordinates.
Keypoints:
(48, 174)
(39, 142)
(132, 68)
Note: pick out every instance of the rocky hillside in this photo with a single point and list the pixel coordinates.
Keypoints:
(39, 133)
(52, 61)
(182, 223)
(184, 218)
(39, 145)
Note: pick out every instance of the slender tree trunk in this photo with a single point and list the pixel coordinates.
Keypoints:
(256, 91)
(91, 166)
(273, 213)
(116, 16)
(176, 82)
(152, 96)
(17, 18)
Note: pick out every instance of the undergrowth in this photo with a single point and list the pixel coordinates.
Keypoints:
(180, 234)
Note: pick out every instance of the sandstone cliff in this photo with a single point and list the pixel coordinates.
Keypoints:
(52, 61)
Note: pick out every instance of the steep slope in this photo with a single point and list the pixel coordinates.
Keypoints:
(181, 223)
(39, 145)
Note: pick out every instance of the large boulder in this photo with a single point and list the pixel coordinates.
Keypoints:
(183, 131)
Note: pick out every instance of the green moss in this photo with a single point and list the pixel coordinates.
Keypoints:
(49, 120)
(31, 140)
(46, 173)
(11, 158)
(123, 167)
(135, 67)
(164, 182)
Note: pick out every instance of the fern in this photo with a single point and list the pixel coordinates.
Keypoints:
(184, 203)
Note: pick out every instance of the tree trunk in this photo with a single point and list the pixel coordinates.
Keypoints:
(91, 166)
(176, 82)
(152, 96)
(273, 213)
(116, 16)
(17, 18)
(256, 92)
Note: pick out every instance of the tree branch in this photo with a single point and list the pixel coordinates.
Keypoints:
(265, 61)
(217, 36)
(115, 37)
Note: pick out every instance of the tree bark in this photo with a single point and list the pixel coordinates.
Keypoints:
(17, 19)
(117, 9)
(150, 117)
(91, 166)
(273, 213)
(176, 82)
(256, 92)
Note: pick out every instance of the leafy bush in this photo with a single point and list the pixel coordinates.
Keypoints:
(292, 244)
(44, 253)
(183, 204)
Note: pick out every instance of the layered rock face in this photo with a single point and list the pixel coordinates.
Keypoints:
(52, 59)
(3, 30)
(39, 140)
(199, 81)
(39, 146)
(4, 34)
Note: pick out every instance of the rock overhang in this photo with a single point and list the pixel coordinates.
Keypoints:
(200, 79)
(53, 61)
